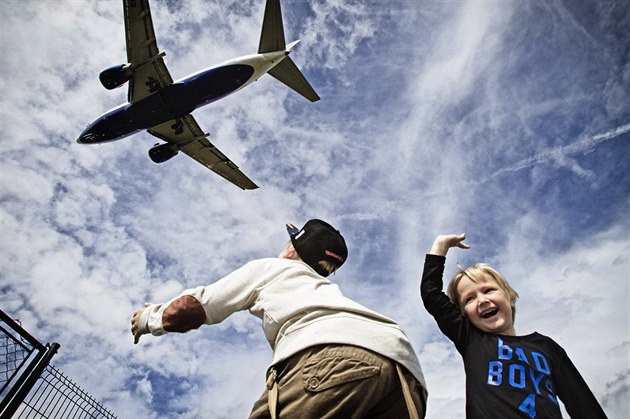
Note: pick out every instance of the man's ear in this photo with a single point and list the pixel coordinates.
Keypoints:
(289, 253)
(292, 253)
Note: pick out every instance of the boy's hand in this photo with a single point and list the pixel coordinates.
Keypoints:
(135, 324)
(444, 242)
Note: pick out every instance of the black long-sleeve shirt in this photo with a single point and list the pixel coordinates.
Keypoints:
(507, 376)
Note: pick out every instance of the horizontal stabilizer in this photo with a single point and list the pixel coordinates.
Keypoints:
(288, 73)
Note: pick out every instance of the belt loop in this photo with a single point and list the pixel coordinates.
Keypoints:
(272, 392)
(411, 407)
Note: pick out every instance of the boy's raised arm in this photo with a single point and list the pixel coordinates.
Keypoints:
(447, 315)
(435, 300)
(443, 242)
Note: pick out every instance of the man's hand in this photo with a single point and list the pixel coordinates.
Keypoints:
(135, 324)
(445, 241)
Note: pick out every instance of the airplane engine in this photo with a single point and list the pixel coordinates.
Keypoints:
(162, 152)
(116, 76)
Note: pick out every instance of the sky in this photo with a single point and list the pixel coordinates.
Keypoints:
(506, 120)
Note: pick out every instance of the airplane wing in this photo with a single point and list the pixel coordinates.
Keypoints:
(149, 71)
(185, 134)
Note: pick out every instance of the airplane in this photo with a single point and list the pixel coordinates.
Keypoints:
(163, 107)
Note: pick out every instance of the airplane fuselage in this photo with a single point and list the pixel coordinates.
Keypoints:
(180, 98)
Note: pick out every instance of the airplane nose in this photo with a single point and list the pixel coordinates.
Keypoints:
(85, 138)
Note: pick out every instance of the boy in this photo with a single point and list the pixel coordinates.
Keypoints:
(332, 358)
(507, 376)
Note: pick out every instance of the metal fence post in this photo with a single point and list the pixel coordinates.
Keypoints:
(31, 387)
(36, 368)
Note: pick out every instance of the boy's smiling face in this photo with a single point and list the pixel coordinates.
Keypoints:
(486, 305)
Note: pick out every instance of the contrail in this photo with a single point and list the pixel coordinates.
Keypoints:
(612, 133)
(579, 147)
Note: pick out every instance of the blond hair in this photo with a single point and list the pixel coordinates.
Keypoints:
(474, 273)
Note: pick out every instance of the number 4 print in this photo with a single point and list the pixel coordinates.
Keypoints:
(529, 406)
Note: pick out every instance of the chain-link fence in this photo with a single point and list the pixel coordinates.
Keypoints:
(30, 387)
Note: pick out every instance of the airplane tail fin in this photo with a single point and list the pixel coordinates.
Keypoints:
(272, 40)
(272, 35)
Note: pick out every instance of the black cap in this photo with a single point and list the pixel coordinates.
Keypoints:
(316, 241)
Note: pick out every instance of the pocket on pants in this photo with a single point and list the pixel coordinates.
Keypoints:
(332, 367)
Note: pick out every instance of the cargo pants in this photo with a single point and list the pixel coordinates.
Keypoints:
(339, 381)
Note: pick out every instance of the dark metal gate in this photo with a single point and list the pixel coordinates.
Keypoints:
(30, 387)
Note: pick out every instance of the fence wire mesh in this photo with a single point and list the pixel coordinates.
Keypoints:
(31, 387)
(56, 396)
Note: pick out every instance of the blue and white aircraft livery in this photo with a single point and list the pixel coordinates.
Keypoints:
(163, 107)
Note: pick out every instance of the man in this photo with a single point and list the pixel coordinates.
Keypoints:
(332, 357)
